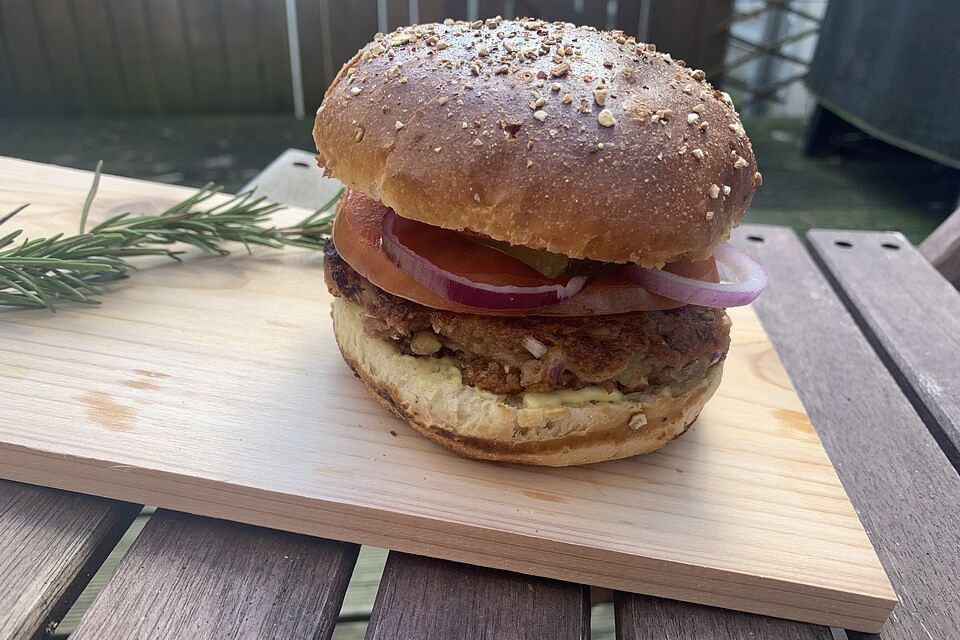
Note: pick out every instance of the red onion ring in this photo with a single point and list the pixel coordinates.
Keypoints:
(465, 291)
(749, 279)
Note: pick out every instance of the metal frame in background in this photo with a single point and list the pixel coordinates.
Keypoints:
(765, 87)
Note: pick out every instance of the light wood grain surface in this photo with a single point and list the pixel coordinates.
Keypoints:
(942, 248)
(215, 387)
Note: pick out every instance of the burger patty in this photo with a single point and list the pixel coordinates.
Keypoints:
(630, 351)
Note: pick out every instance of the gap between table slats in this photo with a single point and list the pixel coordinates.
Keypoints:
(910, 314)
(52, 543)
(193, 577)
(901, 483)
(427, 598)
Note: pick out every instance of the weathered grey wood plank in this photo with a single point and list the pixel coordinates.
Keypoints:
(294, 179)
(426, 598)
(909, 312)
(51, 543)
(898, 478)
(942, 248)
(103, 574)
(648, 618)
(193, 577)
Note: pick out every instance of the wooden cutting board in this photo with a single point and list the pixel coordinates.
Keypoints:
(215, 387)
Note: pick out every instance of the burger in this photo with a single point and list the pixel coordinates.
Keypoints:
(526, 262)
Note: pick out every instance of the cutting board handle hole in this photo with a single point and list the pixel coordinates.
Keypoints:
(300, 164)
(755, 238)
(891, 246)
(842, 243)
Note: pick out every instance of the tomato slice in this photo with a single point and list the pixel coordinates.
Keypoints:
(357, 231)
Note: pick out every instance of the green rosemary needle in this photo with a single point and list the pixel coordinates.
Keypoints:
(42, 272)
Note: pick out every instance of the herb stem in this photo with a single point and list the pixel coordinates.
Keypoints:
(37, 273)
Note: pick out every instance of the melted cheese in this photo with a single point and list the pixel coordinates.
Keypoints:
(564, 397)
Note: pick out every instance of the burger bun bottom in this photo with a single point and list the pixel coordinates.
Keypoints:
(429, 395)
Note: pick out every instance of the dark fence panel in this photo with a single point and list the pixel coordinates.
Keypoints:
(592, 12)
(136, 64)
(144, 56)
(346, 26)
(693, 30)
(164, 36)
(28, 62)
(232, 56)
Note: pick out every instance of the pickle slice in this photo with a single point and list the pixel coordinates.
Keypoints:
(552, 265)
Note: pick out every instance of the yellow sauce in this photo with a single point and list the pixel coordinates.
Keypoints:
(445, 367)
(564, 397)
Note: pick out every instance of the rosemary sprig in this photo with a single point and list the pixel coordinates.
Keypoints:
(41, 272)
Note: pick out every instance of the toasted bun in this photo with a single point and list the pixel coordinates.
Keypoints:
(429, 395)
(444, 123)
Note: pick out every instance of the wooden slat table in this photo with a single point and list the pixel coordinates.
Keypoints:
(187, 576)
(51, 543)
(869, 335)
(909, 312)
(427, 598)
